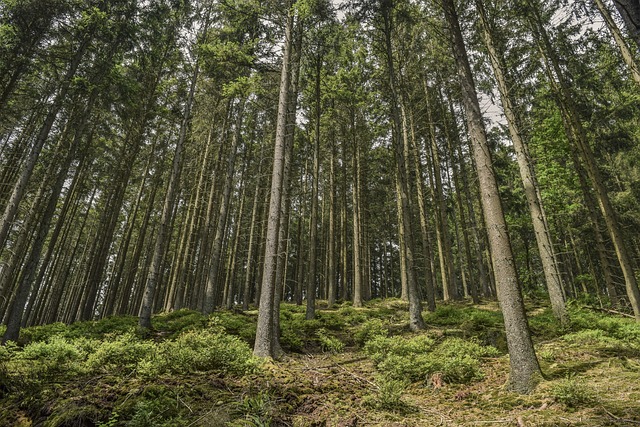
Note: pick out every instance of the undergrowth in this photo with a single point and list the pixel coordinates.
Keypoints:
(105, 373)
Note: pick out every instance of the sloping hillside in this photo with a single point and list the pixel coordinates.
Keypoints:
(348, 367)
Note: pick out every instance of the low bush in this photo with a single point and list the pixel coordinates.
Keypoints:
(200, 351)
(573, 393)
(329, 343)
(179, 320)
(416, 359)
(352, 316)
(241, 325)
(388, 394)
(254, 410)
(369, 330)
(123, 352)
(42, 333)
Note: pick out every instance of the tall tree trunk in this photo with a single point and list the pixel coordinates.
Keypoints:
(626, 53)
(266, 335)
(313, 223)
(30, 266)
(356, 285)
(20, 186)
(449, 288)
(525, 371)
(578, 136)
(546, 250)
(416, 321)
(159, 250)
(212, 287)
(424, 227)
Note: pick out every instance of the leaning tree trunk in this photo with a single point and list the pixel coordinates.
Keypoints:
(21, 185)
(578, 136)
(531, 189)
(525, 371)
(627, 56)
(630, 12)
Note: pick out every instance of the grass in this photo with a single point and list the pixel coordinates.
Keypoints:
(348, 366)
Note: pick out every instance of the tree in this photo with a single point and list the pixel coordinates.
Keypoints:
(527, 173)
(267, 340)
(525, 371)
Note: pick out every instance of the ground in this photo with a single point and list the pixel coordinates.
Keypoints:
(349, 367)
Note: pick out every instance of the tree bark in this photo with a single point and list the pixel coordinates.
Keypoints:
(525, 371)
(546, 250)
(266, 335)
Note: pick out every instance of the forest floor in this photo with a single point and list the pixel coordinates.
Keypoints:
(348, 367)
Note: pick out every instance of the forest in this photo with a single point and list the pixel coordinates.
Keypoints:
(319, 212)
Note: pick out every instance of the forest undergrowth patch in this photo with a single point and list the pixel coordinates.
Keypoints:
(350, 366)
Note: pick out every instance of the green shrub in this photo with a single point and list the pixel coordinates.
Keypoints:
(290, 338)
(416, 359)
(200, 351)
(333, 320)
(42, 333)
(241, 325)
(179, 320)
(55, 350)
(329, 343)
(480, 320)
(545, 325)
(369, 330)
(123, 352)
(380, 347)
(388, 394)
(103, 328)
(417, 367)
(452, 347)
(8, 351)
(589, 336)
(155, 410)
(445, 315)
(254, 410)
(352, 316)
(573, 393)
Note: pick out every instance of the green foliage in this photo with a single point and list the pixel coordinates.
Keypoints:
(333, 320)
(255, 410)
(369, 330)
(178, 321)
(388, 394)
(545, 326)
(111, 422)
(573, 393)
(380, 347)
(418, 358)
(352, 316)
(42, 333)
(122, 353)
(101, 329)
(329, 343)
(56, 350)
(445, 315)
(200, 351)
(158, 407)
(608, 333)
(290, 338)
(239, 324)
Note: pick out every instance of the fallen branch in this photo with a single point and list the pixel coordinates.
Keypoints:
(625, 420)
(609, 310)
